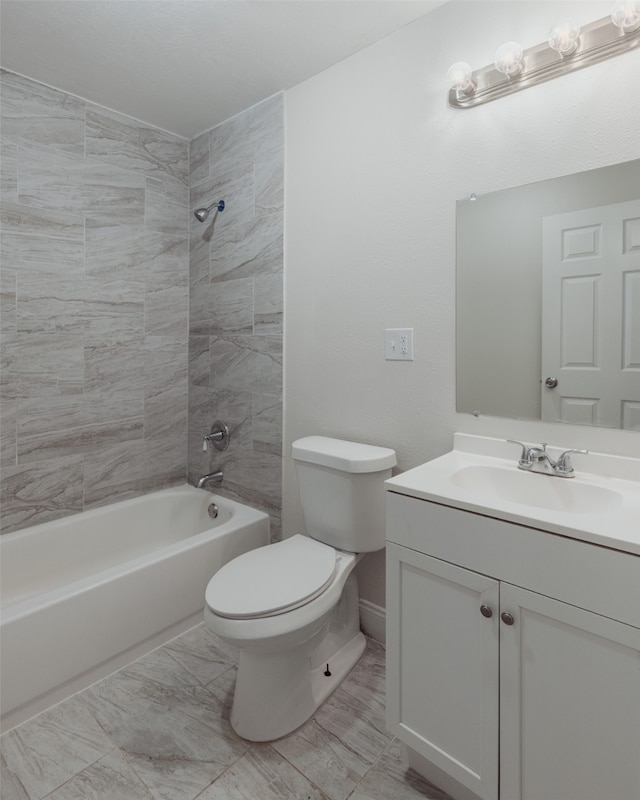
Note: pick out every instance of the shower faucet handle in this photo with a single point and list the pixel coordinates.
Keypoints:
(219, 436)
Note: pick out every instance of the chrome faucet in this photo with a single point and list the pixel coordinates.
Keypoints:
(535, 458)
(211, 477)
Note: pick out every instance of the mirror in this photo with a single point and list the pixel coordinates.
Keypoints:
(574, 241)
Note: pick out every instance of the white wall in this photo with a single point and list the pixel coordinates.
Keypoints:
(375, 161)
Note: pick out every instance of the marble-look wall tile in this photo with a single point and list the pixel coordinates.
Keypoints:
(8, 432)
(165, 213)
(247, 363)
(268, 306)
(82, 308)
(199, 360)
(199, 257)
(115, 251)
(269, 182)
(9, 171)
(165, 414)
(248, 249)
(267, 423)
(8, 287)
(224, 308)
(75, 185)
(94, 293)
(129, 469)
(42, 491)
(43, 365)
(236, 305)
(247, 135)
(33, 221)
(166, 310)
(43, 254)
(133, 145)
(199, 159)
(113, 370)
(82, 427)
(33, 112)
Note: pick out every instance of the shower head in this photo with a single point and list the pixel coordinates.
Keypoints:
(202, 213)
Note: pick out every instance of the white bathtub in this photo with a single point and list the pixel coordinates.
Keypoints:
(84, 595)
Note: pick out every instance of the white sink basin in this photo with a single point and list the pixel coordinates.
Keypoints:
(601, 504)
(498, 484)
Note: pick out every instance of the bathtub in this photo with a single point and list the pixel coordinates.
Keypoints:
(84, 595)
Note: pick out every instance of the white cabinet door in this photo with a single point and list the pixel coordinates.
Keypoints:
(442, 666)
(569, 702)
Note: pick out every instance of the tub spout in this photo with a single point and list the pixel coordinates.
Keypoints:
(212, 477)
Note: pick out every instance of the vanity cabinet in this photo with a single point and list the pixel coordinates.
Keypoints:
(513, 656)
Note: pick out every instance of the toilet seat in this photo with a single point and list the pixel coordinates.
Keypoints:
(272, 580)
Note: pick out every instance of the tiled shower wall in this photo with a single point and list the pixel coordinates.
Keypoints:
(94, 290)
(236, 307)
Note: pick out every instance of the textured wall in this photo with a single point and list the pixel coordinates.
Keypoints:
(236, 313)
(94, 289)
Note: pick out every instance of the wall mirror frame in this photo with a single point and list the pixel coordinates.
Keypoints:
(574, 241)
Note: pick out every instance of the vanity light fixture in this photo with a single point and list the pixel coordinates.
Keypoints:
(568, 48)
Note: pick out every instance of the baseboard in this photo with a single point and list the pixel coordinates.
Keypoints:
(373, 621)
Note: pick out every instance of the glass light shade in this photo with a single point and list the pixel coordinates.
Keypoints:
(460, 77)
(626, 15)
(564, 38)
(510, 59)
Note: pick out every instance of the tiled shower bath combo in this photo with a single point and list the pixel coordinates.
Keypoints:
(128, 327)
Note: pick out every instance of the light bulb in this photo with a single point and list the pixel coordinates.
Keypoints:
(564, 38)
(460, 77)
(626, 15)
(509, 59)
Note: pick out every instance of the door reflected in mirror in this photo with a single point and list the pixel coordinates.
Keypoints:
(548, 300)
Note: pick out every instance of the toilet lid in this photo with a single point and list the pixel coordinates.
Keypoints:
(272, 579)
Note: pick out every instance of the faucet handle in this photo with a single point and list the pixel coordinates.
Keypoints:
(525, 457)
(563, 464)
(219, 436)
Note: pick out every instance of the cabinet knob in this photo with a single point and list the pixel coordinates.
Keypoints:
(507, 618)
(486, 611)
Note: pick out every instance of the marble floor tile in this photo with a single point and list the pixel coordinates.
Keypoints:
(325, 758)
(10, 783)
(158, 729)
(109, 778)
(203, 654)
(170, 728)
(391, 778)
(262, 774)
(51, 748)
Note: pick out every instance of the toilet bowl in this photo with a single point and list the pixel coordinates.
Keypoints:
(291, 608)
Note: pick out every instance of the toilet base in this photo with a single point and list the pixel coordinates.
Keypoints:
(269, 702)
(278, 689)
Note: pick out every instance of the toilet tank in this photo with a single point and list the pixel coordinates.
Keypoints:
(342, 492)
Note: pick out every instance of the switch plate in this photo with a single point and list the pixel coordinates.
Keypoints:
(398, 344)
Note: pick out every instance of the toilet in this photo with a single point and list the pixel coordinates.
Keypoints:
(291, 608)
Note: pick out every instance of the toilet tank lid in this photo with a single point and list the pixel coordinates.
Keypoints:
(343, 455)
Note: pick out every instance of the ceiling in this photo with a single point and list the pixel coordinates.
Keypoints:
(186, 65)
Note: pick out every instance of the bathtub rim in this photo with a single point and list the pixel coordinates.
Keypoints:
(240, 514)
